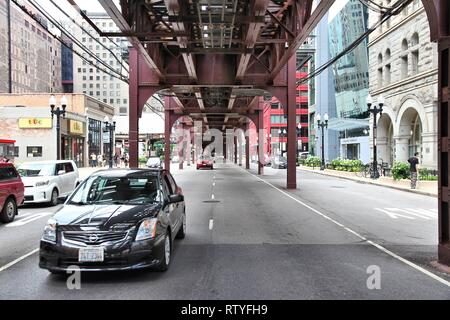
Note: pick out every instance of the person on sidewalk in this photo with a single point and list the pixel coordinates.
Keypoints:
(414, 167)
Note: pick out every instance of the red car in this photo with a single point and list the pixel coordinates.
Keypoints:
(205, 163)
(11, 192)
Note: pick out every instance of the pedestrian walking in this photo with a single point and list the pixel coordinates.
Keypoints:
(100, 160)
(93, 160)
(127, 159)
(414, 167)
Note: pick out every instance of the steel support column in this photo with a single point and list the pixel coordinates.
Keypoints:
(444, 151)
(247, 146)
(235, 148)
(167, 130)
(261, 138)
(133, 113)
(291, 124)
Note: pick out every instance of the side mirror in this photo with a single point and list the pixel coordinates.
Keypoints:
(60, 172)
(62, 199)
(175, 198)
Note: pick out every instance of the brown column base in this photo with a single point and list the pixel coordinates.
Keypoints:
(444, 254)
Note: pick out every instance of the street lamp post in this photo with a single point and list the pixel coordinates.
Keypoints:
(322, 125)
(374, 109)
(110, 126)
(299, 141)
(58, 112)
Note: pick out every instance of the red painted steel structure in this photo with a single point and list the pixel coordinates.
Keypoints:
(214, 59)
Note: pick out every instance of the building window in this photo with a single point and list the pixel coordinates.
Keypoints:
(387, 74)
(380, 77)
(404, 66)
(34, 152)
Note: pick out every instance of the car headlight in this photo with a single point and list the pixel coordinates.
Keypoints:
(147, 229)
(42, 183)
(50, 230)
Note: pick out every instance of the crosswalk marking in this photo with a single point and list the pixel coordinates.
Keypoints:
(27, 219)
(409, 213)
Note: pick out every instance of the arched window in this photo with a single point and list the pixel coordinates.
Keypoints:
(380, 70)
(387, 67)
(404, 59)
(415, 54)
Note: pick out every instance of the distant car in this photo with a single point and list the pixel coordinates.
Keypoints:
(45, 181)
(11, 192)
(116, 220)
(279, 162)
(304, 155)
(175, 159)
(154, 162)
(205, 162)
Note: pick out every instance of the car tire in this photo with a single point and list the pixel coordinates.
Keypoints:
(182, 232)
(167, 253)
(9, 211)
(54, 197)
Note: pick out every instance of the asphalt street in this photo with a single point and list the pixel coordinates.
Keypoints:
(249, 238)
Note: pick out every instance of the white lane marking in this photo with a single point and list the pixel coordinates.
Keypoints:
(211, 224)
(28, 219)
(8, 265)
(410, 213)
(214, 184)
(376, 245)
(394, 215)
(212, 196)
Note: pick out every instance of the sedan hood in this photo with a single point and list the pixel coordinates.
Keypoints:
(103, 216)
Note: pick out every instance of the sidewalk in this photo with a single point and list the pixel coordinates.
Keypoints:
(428, 188)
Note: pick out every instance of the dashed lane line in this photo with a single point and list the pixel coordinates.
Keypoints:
(376, 245)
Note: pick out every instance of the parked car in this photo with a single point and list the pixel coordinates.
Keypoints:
(11, 192)
(205, 162)
(116, 220)
(45, 181)
(154, 162)
(279, 162)
(304, 155)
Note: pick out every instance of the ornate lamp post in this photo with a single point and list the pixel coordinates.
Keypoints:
(374, 109)
(322, 125)
(54, 110)
(110, 126)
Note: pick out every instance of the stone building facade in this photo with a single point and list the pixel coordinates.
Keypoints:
(89, 79)
(35, 54)
(403, 69)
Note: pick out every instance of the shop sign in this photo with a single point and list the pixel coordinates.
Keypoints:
(76, 127)
(35, 123)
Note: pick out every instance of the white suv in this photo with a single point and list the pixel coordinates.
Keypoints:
(46, 181)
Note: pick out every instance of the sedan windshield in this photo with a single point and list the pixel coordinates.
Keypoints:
(118, 190)
(36, 169)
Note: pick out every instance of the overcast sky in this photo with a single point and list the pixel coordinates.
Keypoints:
(88, 5)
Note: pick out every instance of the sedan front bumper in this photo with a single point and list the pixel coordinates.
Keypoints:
(118, 256)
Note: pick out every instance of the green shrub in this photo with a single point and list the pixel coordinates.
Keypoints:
(142, 159)
(312, 162)
(400, 170)
(425, 175)
(346, 165)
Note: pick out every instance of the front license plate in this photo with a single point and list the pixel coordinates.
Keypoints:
(91, 254)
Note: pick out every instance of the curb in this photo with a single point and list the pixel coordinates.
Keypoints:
(429, 194)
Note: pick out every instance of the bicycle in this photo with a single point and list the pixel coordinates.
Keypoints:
(366, 170)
